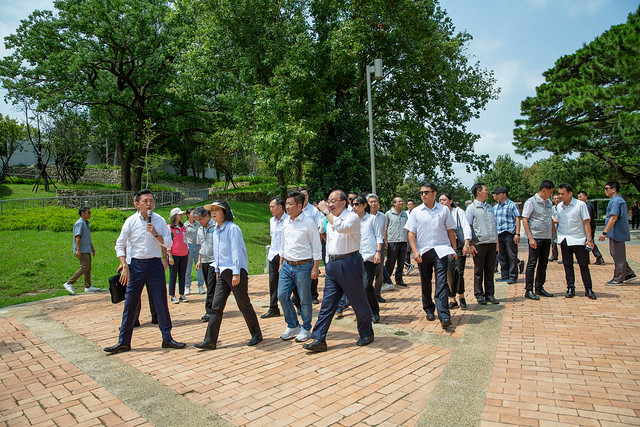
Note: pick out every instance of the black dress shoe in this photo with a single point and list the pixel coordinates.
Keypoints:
(613, 282)
(453, 304)
(365, 341)
(315, 301)
(430, 316)
(173, 344)
(463, 304)
(154, 321)
(630, 277)
(531, 295)
(255, 340)
(481, 300)
(270, 314)
(205, 345)
(118, 348)
(553, 258)
(502, 279)
(205, 318)
(571, 292)
(400, 283)
(589, 293)
(316, 346)
(445, 323)
(599, 261)
(380, 299)
(492, 299)
(376, 318)
(511, 282)
(136, 323)
(544, 293)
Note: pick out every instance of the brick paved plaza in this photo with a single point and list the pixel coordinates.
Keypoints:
(551, 362)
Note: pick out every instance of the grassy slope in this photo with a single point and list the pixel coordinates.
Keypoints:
(35, 263)
(23, 191)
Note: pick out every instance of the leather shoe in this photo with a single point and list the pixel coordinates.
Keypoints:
(531, 295)
(173, 344)
(463, 304)
(613, 283)
(544, 293)
(400, 283)
(376, 318)
(154, 321)
(511, 282)
(316, 346)
(502, 279)
(270, 314)
(118, 348)
(589, 293)
(481, 300)
(205, 318)
(445, 323)
(453, 304)
(430, 316)
(571, 292)
(380, 299)
(315, 301)
(630, 277)
(492, 299)
(255, 340)
(205, 345)
(599, 261)
(553, 258)
(365, 341)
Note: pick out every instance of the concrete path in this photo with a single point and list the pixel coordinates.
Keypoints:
(554, 361)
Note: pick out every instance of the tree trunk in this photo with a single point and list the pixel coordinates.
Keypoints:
(280, 176)
(125, 173)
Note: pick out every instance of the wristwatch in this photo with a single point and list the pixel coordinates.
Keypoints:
(604, 233)
(327, 212)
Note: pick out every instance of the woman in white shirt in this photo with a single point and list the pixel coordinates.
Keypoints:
(456, 279)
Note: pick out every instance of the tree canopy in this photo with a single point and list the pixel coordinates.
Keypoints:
(590, 103)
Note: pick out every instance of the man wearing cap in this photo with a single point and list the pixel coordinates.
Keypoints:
(205, 258)
(83, 250)
(507, 217)
(143, 237)
(276, 222)
(344, 273)
(232, 265)
(299, 262)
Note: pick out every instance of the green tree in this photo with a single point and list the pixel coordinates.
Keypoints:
(506, 172)
(12, 134)
(67, 137)
(589, 104)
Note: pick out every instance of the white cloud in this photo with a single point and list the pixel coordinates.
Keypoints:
(484, 47)
(584, 7)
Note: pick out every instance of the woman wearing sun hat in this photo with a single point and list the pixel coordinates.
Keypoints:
(178, 255)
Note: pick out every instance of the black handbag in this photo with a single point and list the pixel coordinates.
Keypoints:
(459, 233)
(117, 289)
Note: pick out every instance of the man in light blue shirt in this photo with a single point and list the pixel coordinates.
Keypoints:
(616, 229)
(232, 265)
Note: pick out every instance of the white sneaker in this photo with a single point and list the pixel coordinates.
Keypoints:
(91, 290)
(290, 333)
(187, 290)
(174, 300)
(69, 288)
(388, 287)
(201, 289)
(303, 335)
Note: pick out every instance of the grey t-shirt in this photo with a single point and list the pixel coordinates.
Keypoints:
(81, 228)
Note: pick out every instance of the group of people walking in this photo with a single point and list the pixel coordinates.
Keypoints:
(350, 235)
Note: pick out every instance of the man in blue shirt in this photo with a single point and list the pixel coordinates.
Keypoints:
(507, 216)
(617, 230)
(83, 250)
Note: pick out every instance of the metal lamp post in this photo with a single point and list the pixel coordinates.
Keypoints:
(376, 69)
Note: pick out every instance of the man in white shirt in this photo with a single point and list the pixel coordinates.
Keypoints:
(312, 212)
(344, 272)
(380, 221)
(574, 231)
(143, 236)
(300, 256)
(433, 239)
(276, 222)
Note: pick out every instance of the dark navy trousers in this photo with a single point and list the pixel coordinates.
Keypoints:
(344, 276)
(151, 272)
(430, 264)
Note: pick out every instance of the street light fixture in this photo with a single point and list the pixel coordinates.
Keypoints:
(376, 69)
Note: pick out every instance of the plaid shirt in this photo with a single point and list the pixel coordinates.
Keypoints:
(506, 214)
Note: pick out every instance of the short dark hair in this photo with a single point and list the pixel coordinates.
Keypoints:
(363, 201)
(447, 195)
(583, 192)
(188, 211)
(546, 184)
(477, 187)
(411, 200)
(353, 192)
(430, 185)
(615, 185)
(566, 186)
(303, 188)
(201, 212)
(297, 196)
(82, 209)
(278, 200)
(141, 193)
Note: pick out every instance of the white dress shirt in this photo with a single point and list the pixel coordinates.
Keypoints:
(313, 213)
(570, 222)
(430, 227)
(343, 236)
(300, 239)
(136, 242)
(370, 236)
(275, 230)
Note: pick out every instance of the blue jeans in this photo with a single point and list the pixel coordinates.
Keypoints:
(194, 253)
(298, 276)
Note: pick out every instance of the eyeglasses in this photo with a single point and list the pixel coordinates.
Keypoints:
(607, 188)
(355, 204)
(426, 192)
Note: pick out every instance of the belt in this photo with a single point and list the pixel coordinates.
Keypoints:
(304, 261)
(337, 257)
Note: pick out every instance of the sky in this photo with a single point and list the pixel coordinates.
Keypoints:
(517, 39)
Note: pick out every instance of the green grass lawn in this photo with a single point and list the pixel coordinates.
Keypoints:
(35, 263)
(23, 191)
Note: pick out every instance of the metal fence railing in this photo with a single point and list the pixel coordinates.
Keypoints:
(117, 201)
